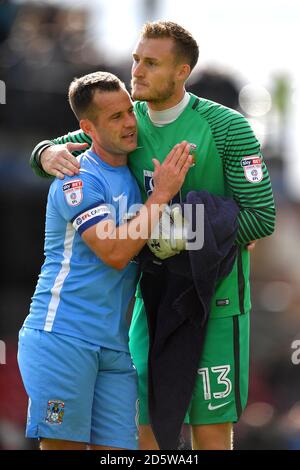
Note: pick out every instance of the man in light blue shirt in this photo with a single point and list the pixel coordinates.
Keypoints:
(73, 347)
(73, 278)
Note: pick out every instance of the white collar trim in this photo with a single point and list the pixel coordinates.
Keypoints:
(161, 118)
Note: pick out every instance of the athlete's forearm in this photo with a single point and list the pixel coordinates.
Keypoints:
(126, 241)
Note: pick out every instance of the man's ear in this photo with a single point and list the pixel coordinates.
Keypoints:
(184, 72)
(87, 126)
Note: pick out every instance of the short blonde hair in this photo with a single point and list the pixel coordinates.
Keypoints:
(186, 46)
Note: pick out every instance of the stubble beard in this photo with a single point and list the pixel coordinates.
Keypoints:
(155, 96)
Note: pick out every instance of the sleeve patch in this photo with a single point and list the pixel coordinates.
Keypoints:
(91, 217)
(252, 168)
(73, 192)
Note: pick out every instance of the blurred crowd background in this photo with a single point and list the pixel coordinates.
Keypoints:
(248, 61)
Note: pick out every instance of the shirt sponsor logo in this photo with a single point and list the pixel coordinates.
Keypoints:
(73, 192)
(252, 168)
(90, 214)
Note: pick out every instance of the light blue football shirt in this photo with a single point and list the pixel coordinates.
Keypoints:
(77, 294)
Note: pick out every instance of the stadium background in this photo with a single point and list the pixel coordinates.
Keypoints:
(248, 61)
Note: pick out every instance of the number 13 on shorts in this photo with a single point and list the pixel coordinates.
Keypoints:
(224, 385)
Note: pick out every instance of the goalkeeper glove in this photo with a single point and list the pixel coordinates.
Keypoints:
(170, 234)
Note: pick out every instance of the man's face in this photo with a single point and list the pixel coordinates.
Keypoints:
(114, 128)
(154, 70)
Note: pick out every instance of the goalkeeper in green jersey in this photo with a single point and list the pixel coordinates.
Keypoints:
(228, 162)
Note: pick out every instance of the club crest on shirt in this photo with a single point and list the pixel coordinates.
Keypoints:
(73, 192)
(193, 148)
(55, 412)
(252, 168)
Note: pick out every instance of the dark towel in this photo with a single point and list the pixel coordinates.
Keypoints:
(177, 293)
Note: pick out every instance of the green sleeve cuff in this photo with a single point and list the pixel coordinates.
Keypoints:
(35, 158)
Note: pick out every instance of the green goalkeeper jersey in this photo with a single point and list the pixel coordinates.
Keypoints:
(228, 162)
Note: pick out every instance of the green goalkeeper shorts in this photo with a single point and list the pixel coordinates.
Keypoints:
(221, 388)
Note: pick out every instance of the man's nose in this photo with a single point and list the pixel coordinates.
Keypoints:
(137, 70)
(130, 120)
